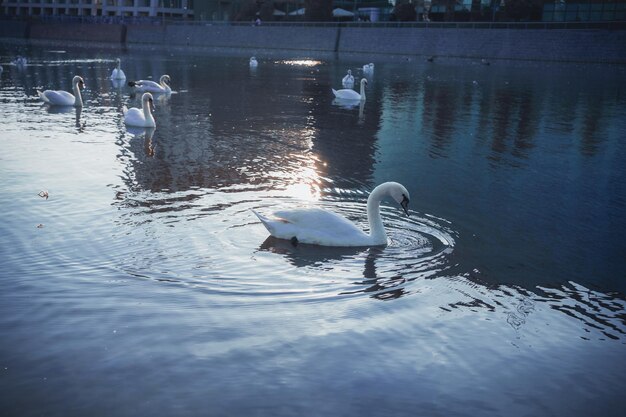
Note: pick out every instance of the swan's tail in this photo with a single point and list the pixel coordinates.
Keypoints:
(124, 110)
(43, 96)
(266, 222)
(334, 92)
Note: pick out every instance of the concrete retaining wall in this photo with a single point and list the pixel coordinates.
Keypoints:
(270, 37)
(79, 32)
(13, 29)
(523, 44)
(568, 45)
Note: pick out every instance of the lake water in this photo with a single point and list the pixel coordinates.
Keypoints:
(145, 285)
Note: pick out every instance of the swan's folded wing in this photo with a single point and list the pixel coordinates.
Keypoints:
(57, 97)
(315, 218)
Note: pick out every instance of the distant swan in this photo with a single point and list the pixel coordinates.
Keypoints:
(368, 67)
(253, 62)
(63, 98)
(143, 117)
(320, 227)
(150, 86)
(117, 73)
(20, 61)
(348, 80)
(350, 94)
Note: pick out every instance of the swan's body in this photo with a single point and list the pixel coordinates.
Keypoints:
(348, 80)
(152, 87)
(368, 67)
(63, 98)
(143, 117)
(117, 73)
(350, 94)
(320, 227)
(253, 62)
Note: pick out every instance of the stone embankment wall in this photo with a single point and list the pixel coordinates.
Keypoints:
(568, 45)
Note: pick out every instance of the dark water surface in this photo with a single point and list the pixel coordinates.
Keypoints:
(145, 285)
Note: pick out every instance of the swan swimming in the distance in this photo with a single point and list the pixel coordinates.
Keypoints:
(63, 98)
(253, 62)
(350, 94)
(320, 227)
(143, 117)
(368, 67)
(150, 86)
(348, 80)
(118, 73)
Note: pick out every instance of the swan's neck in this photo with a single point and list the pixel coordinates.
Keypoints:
(148, 114)
(377, 230)
(78, 98)
(362, 91)
(119, 65)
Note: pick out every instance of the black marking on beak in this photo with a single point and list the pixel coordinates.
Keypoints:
(151, 104)
(405, 204)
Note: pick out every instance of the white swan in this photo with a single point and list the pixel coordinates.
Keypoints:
(118, 73)
(63, 98)
(348, 80)
(368, 67)
(350, 94)
(150, 86)
(20, 61)
(253, 62)
(320, 227)
(140, 118)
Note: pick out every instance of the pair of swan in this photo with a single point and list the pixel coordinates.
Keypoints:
(63, 98)
(369, 68)
(350, 94)
(20, 61)
(163, 86)
(320, 227)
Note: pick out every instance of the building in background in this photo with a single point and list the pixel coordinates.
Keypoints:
(123, 8)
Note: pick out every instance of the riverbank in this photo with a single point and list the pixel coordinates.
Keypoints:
(601, 43)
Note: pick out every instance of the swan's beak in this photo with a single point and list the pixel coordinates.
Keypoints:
(405, 205)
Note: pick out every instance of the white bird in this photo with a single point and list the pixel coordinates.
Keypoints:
(253, 62)
(143, 117)
(63, 98)
(368, 67)
(350, 94)
(20, 61)
(118, 73)
(348, 80)
(320, 227)
(150, 86)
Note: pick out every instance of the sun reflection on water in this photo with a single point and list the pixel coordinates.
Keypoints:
(301, 62)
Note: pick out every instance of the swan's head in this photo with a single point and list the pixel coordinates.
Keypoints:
(147, 100)
(165, 79)
(399, 193)
(349, 72)
(364, 81)
(118, 61)
(78, 80)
